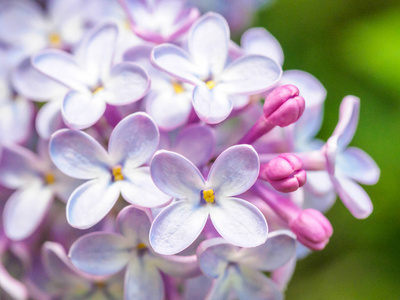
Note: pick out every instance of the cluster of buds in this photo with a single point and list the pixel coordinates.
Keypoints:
(186, 165)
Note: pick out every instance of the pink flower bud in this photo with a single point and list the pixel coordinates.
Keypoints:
(283, 106)
(285, 173)
(312, 228)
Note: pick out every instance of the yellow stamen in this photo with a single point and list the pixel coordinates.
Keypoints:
(178, 88)
(209, 196)
(49, 178)
(117, 173)
(100, 285)
(55, 40)
(141, 246)
(127, 24)
(210, 84)
(98, 90)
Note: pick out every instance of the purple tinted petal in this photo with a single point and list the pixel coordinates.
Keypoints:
(140, 54)
(25, 209)
(178, 266)
(212, 106)
(196, 143)
(97, 50)
(279, 248)
(139, 189)
(235, 171)
(176, 176)
(143, 281)
(358, 165)
(282, 275)
(100, 253)
(348, 120)
(127, 83)
(49, 119)
(250, 74)
(133, 141)
(208, 43)
(353, 197)
(11, 286)
(176, 227)
(62, 67)
(239, 222)
(222, 287)
(260, 41)
(78, 155)
(134, 224)
(91, 202)
(176, 62)
(81, 110)
(17, 166)
(34, 85)
(197, 288)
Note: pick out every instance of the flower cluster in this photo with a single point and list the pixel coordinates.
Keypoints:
(186, 164)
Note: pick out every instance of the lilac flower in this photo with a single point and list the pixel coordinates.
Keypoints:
(178, 225)
(37, 182)
(91, 78)
(132, 143)
(238, 272)
(104, 253)
(205, 67)
(159, 21)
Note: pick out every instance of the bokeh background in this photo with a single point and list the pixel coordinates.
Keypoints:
(352, 47)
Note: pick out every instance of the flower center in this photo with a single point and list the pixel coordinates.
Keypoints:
(117, 173)
(141, 246)
(209, 196)
(98, 89)
(100, 285)
(178, 88)
(210, 84)
(49, 178)
(54, 39)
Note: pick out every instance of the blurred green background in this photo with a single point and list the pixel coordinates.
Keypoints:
(352, 47)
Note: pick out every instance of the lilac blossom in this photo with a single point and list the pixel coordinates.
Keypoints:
(178, 225)
(132, 143)
(205, 67)
(104, 253)
(91, 77)
(238, 271)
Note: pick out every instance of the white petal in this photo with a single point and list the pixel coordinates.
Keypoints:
(49, 119)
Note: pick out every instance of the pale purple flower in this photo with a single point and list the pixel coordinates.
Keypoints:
(205, 67)
(91, 77)
(104, 253)
(120, 171)
(237, 272)
(159, 21)
(37, 182)
(178, 225)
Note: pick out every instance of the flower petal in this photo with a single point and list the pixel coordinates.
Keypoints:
(178, 266)
(260, 41)
(127, 83)
(176, 176)
(196, 143)
(78, 155)
(279, 248)
(17, 166)
(348, 120)
(143, 281)
(91, 202)
(358, 165)
(235, 171)
(25, 209)
(176, 227)
(176, 62)
(134, 224)
(212, 106)
(49, 119)
(11, 286)
(81, 110)
(250, 74)
(353, 197)
(239, 222)
(208, 42)
(139, 189)
(62, 67)
(133, 141)
(100, 253)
